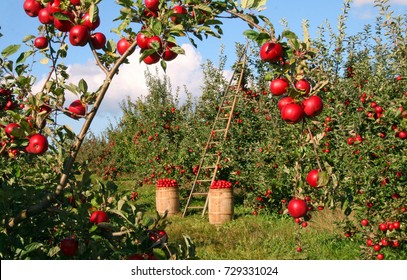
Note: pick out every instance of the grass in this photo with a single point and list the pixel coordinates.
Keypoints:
(262, 237)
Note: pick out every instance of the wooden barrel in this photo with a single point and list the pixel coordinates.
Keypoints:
(220, 207)
(167, 199)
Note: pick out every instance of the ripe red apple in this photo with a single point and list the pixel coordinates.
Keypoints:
(98, 217)
(279, 86)
(364, 222)
(54, 6)
(284, 101)
(168, 54)
(152, 58)
(77, 108)
(154, 40)
(312, 178)
(312, 106)
(152, 4)
(41, 42)
(98, 40)
(64, 25)
(13, 131)
(92, 25)
(297, 208)
(292, 113)
(69, 247)
(123, 45)
(32, 7)
(37, 145)
(402, 134)
(79, 35)
(271, 52)
(178, 14)
(142, 40)
(45, 17)
(350, 141)
(75, 2)
(303, 85)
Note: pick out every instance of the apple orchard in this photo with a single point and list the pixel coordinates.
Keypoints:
(320, 124)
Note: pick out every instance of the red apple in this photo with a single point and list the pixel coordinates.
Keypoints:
(13, 130)
(297, 208)
(284, 101)
(123, 45)
(75, 2)
(98, 217)
(312, 106)
(45, 17)
(41, 42)
(402, 134)
(303, 85)
(79, 35)
(292, 113)
(312, 178)
(98, 40)
(178, 14)
(77, 108)
(69, 247)
(37, 145)
(154, 40)
(168, 54)
(64, 25)
(142, 40)
(152, 4)
(32, 7)
(271, 52)
(54, 6)
(152, 58)
(279, 86)
(92, 25)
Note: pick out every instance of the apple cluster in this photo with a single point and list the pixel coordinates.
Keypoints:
(71, 18)
(22, 136)
(153, 47)
(166, 183)
(295, 102)
(221, 184)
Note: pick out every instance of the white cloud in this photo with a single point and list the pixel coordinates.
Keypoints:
(130, 81)
(365, 2)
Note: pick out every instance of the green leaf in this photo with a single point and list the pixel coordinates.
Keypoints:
(163, 65)
(289, 34)
(23, 56)
(28, 38)
(251, 34)
(10, 50)
(61, 16)
(247, 4)
(157, 27)
(93, 12)
(31, 247)
(83, 86)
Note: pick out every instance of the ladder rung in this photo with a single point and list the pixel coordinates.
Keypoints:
(200, 193)
(195, 207)
(209, 167)
(204, 180)
(220, 129)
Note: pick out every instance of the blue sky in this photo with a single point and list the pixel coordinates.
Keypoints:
(15, 24)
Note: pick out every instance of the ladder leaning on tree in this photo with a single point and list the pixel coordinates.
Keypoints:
(209, 163)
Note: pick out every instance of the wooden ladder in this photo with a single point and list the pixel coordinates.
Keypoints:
(209, 164)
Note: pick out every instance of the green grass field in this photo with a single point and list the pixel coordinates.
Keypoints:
(262, 237)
